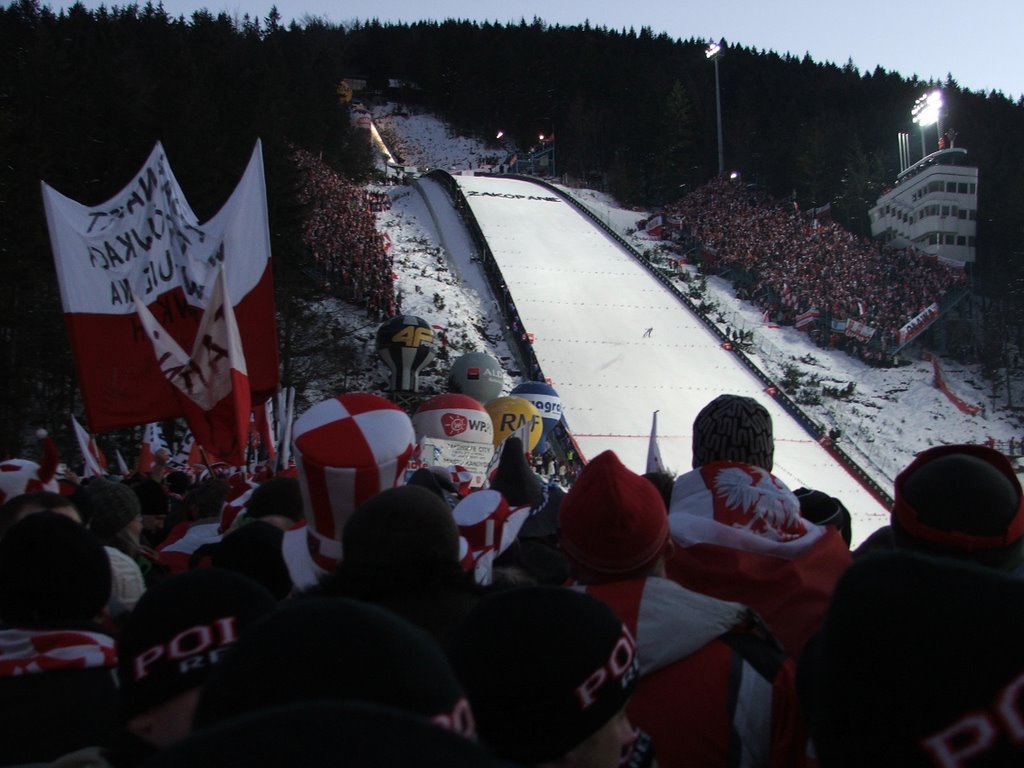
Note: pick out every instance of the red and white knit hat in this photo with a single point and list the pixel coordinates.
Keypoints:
(18, 476)
(489, 526)
(347, 450)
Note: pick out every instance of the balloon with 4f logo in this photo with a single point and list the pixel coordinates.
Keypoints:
(547, 402)
(406, 343)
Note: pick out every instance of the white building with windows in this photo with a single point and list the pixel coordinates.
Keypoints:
(933, 207)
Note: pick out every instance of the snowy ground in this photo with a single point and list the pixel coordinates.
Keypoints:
(892, 414)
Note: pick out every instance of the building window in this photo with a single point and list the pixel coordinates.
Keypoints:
(948, 240)
(973, 188)
(961, 214)
(945, 210)
(961, 188)
(961, 240)
(970, 242)
(972, 215)
(951, 186)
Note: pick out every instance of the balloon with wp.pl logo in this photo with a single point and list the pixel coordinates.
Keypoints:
(406, 343)
(478, 375)
(547, 402)
(453, 417)
(512, 413)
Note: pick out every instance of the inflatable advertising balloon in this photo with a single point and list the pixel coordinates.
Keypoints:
(406, 344)
(454, 431)
(547, 402)
(478, 375)
(454, 417)
(509, 414)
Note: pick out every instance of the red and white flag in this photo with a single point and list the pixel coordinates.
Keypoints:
(153, 443)
(654, 461)
(187, 456)
(211, 384)
(122, 465)
(147, 242)
(263, 429)
(95, 461)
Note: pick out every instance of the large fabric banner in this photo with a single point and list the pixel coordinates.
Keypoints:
(859, 330)
(147, 242)
(919, 324)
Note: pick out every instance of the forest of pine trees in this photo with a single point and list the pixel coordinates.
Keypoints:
(84, 95)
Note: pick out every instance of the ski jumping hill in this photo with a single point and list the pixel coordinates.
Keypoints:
(586, 303)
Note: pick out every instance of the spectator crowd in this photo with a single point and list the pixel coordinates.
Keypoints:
(351, 611)
(859, 293)
(352, 258)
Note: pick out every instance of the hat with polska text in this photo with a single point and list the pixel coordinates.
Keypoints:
(179, 630)
(917, 665)
(545, 668)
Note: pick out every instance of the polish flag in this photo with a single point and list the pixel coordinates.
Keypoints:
(95, 461)
(212, 384)
(153, 443)
(147, 244)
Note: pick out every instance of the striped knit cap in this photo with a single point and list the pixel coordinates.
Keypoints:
(733, 428)
(347, 450)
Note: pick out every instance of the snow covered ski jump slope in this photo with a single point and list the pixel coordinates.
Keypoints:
(590, 305)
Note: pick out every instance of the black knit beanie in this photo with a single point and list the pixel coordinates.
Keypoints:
(112, 506)
(733, 428)
(53, 572)
(963, 501)
(408, 529)
(544, 668)
(254, 550)
(181, 629)
(325, 734)
(918, 664)
(336, 649)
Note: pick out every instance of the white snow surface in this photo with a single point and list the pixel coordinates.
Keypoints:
(588, 302)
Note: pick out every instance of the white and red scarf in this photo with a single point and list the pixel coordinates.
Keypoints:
(32, 651)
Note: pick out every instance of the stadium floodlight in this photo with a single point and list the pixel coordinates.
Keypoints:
(714, 52)
(927, 111)
(500, 135)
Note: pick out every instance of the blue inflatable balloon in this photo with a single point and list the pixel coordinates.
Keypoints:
(546, 400)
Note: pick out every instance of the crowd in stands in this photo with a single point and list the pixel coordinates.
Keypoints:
(346, 607)
(353, 259)
(790, 261)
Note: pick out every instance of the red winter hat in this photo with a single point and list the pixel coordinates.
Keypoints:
(964, 498)
(612, 521)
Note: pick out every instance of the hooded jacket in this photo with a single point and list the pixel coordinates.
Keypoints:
(716, 690)
(738, 535)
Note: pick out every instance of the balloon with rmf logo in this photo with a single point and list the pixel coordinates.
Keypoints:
(510, 414)
(547, 402)
(406, 343)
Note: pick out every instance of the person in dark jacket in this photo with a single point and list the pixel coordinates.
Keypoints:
(58, 689)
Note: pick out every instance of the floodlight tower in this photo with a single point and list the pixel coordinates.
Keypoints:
(926, 112)
(714, 53)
